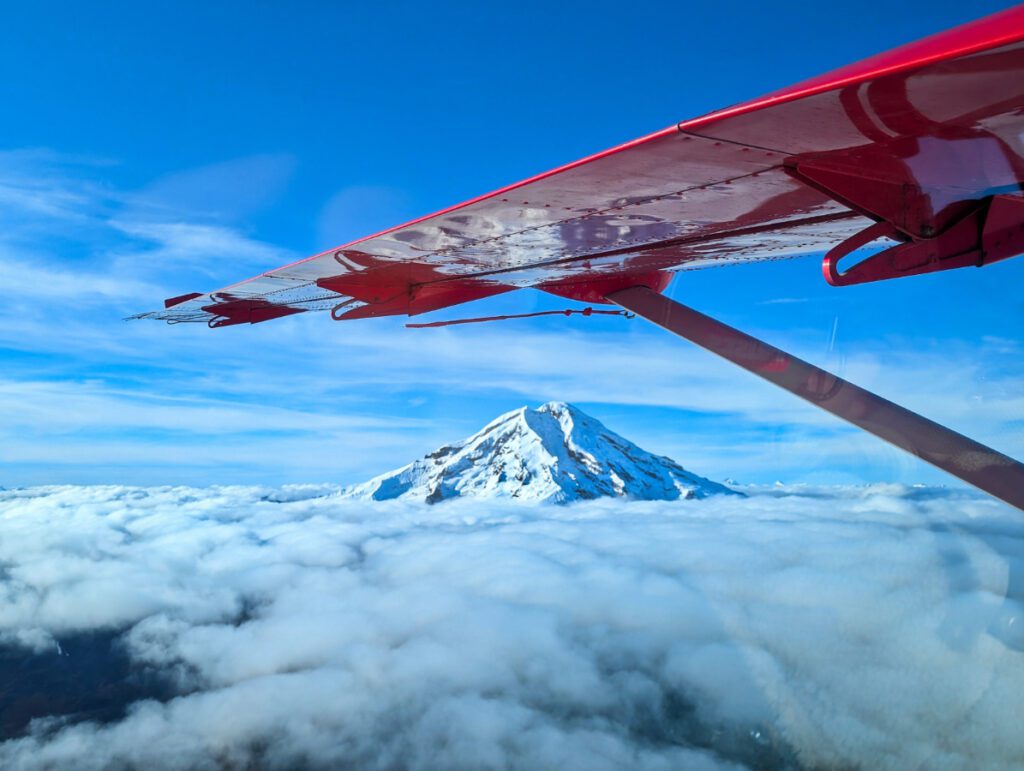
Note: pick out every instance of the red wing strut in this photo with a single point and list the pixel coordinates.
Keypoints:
(918, 151)
(981, 466)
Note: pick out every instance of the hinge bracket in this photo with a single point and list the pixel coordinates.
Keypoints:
(992, 231)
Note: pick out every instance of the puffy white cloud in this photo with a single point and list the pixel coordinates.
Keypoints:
(868, 627)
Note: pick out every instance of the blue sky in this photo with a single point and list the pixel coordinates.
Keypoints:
(149, 151)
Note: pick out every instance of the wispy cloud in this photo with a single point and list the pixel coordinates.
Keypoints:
(225, 192)
(52, 283)
(212, 251)
(785, 301)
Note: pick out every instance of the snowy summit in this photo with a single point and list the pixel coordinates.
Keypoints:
(554, 453)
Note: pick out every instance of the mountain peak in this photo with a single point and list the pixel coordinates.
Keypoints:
(556, 408)
(555, 453)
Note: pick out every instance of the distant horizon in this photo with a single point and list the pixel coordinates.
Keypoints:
(952, 485)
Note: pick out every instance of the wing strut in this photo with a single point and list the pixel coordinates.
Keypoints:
(974, 463)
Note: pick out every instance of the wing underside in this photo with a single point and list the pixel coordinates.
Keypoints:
(917, 139)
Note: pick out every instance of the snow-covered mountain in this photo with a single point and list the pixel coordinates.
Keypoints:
(554, 453)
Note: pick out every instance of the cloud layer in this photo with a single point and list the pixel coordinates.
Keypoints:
(858, 628)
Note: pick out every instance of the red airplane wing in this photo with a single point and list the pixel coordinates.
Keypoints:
(921, 145)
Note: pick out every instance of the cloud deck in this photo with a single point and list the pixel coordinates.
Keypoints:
(865, 627)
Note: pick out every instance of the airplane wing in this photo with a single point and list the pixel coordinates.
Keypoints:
(920, 147)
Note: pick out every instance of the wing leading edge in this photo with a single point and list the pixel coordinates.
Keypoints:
(921, 146)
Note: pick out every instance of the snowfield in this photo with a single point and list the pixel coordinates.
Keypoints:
(555, 453)
(874, 628)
